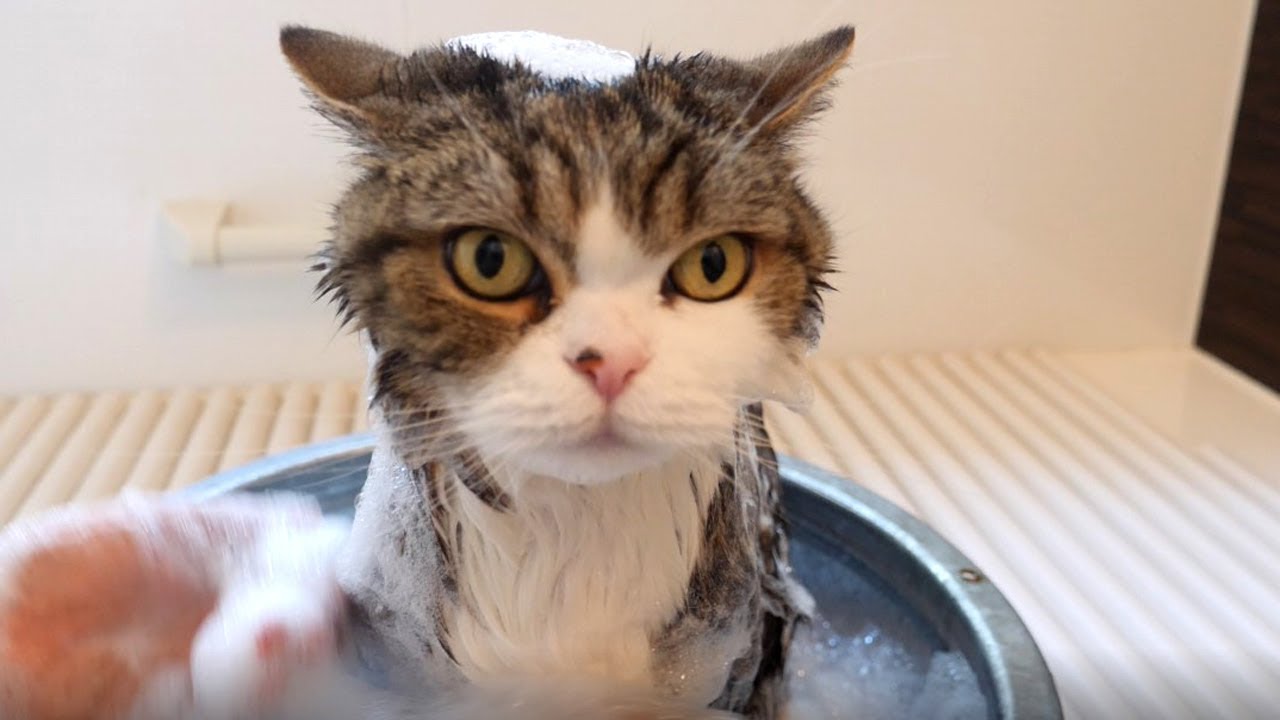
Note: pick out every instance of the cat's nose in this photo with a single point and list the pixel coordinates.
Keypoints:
(609, 372)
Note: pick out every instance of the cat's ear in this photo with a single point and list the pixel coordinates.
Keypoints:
(788, 86)
(342, 72)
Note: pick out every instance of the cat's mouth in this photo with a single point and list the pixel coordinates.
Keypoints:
(606, 438)
(598, 455)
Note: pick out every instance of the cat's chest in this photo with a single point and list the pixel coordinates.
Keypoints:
(574, 579)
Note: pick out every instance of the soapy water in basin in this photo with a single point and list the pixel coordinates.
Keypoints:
(871, 677)
(866, 658)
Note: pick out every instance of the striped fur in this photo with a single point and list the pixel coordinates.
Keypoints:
(498, 533)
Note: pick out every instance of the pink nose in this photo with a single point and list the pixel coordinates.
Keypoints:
(609, 373)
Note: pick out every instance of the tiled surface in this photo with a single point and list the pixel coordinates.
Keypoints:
(1128, 504)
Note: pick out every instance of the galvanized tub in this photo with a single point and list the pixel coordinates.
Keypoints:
(861, 556)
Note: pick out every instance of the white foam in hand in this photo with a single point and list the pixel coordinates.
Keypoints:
(277, 619)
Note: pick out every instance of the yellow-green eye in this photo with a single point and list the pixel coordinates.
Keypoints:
(712, 270)
(491, 265)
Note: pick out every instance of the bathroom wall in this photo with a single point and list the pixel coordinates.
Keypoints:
(1000, 172)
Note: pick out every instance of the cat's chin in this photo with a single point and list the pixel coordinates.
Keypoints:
(597, 461)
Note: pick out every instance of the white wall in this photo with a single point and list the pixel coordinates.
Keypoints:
(1000, 171)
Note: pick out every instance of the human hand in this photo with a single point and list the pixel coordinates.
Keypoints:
(102, 610)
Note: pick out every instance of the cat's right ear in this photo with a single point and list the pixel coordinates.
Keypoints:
(343, 73)
(788, 87)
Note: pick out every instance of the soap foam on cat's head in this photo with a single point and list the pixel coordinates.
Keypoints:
(554, 57)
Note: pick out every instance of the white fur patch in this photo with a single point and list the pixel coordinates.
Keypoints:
(576, 580)
(608, 258)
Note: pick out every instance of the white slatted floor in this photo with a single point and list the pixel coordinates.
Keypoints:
(78, 447)
(1148, 568)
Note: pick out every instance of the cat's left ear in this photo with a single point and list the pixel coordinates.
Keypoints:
(346, 75)
(788, 86)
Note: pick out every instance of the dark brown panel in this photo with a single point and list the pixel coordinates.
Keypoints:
(1240, 320)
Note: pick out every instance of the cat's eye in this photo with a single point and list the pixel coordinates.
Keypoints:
(491, 265)
(712, 270)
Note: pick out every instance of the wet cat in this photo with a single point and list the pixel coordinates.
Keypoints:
(576, 289)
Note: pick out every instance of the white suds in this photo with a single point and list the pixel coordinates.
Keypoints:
(872, 676)
(555, 57)
(285, 585)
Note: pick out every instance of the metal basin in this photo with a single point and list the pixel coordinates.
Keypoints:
(863, 558)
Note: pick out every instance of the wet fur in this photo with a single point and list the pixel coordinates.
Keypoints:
(681, 150)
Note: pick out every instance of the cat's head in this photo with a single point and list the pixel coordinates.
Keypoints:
(575, 278)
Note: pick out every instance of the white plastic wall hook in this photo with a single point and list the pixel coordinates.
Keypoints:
(202, 235)
(193, 226)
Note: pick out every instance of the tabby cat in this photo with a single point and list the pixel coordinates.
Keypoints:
(576, 293)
